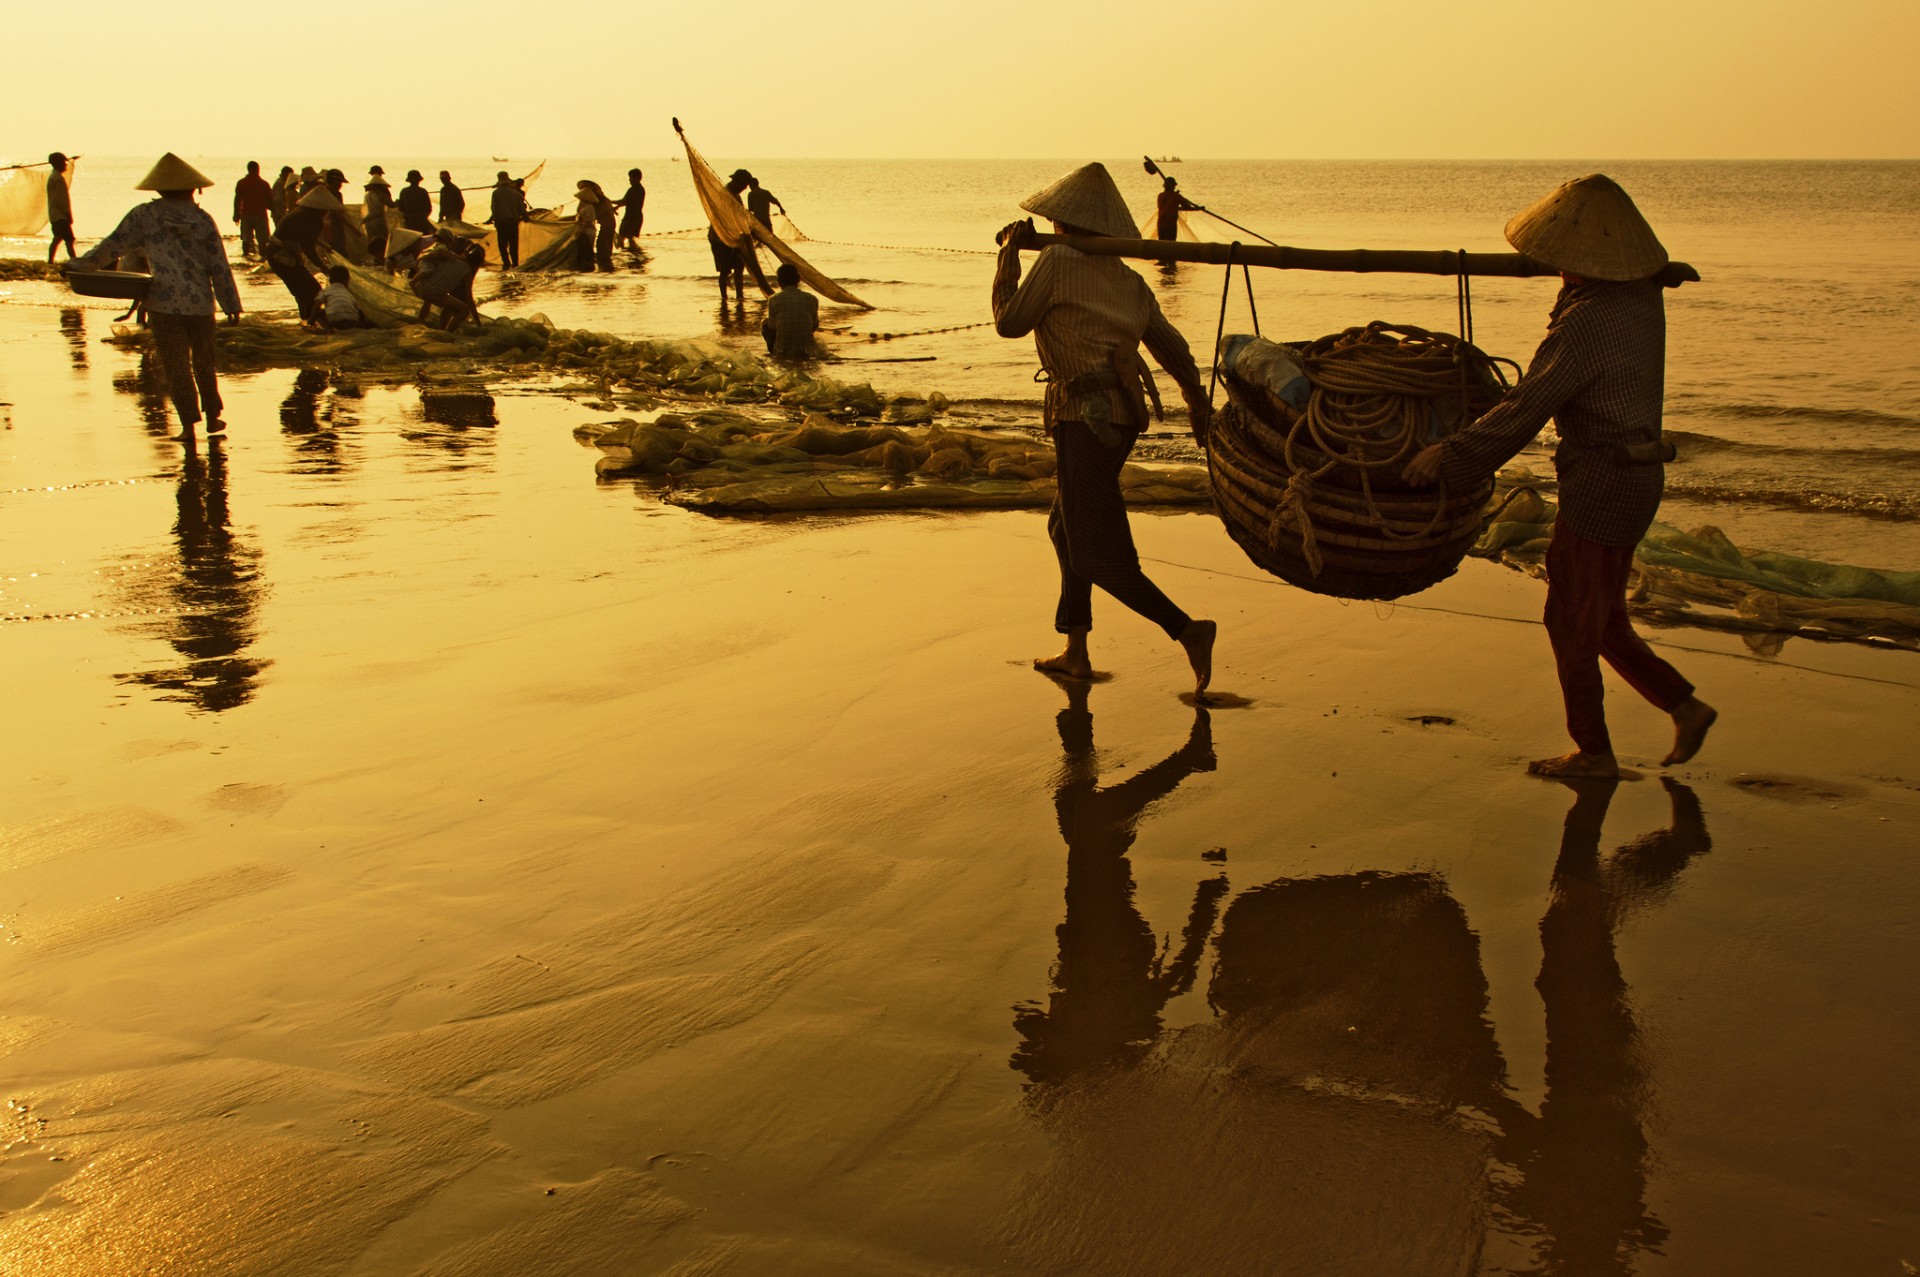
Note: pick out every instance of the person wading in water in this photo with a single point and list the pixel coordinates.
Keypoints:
(1600, 374)
(1089, 317)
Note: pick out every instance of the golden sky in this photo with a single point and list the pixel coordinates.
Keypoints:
(1359, 79)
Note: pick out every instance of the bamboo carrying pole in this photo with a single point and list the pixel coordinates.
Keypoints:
(1355, 260)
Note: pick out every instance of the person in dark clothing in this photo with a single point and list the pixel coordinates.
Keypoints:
(378, 201)
(285, 191)
(633, 206)
(59, 207)
(440, 279)
(252, 202)
(415, 205)
(1170, 205)
(726, 257)
(761, 202)
(793, 316)
(453, 200)
(294, 251)
(509, 209)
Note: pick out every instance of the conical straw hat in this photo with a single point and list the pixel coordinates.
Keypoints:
(1589, 227)
(171, 173)
(401, 239)
(321, 197)
(1086, 198)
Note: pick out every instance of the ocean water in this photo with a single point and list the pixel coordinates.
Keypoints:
(1793, 381)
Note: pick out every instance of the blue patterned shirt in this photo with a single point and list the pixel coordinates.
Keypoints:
(189, 261)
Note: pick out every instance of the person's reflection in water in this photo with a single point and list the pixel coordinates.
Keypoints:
(212, 599)
(1112, 980)
(1586, 1179)
(313, 426)
(73, 325)
(147, 383)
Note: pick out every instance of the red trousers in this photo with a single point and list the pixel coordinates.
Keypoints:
(1587, 619)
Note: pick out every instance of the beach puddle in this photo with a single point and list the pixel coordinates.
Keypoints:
(1794, 789)
(1216, 700)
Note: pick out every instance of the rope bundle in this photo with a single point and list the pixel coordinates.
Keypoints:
(1316, 496)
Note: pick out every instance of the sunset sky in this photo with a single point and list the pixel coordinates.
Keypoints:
(1004, 78)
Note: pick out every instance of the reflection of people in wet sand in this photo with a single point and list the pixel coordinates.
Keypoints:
(1600, 375)
(1089, 316)
(1111, 981)
(1585, 1172)
(211, 604)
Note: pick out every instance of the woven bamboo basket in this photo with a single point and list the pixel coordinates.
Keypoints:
(1335, 528)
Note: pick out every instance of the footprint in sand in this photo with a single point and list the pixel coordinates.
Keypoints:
(253, 800)
(1794, 789)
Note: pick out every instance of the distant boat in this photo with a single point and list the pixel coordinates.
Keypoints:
(1167, 159)
(499, 159)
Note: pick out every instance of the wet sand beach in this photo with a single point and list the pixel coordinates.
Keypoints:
(418, 858)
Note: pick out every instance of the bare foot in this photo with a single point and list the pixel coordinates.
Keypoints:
(1065, 665)
(1576, 767)
(1690, 723)
(1198, 638)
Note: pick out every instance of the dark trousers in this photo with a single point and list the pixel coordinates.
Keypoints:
(1587, 620)
(508, 233)
(253, 234)
(1091, 538)
(299, 281)
(185, 344)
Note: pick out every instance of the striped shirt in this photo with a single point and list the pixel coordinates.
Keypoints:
(1600, 374)
(1079, 308)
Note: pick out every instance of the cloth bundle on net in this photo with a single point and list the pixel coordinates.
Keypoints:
(1307, 451)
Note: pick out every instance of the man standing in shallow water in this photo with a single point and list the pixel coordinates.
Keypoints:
(1600, 374)
(1089, 316)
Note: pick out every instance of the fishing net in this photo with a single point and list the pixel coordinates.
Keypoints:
(722, 462)
(735, 225)
(1702, 578)
(23, 197)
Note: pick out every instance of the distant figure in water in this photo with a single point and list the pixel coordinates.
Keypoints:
(1600, 374)
(793, 316)
(59, 207)
(453, 200)
(190, 274)
(1089, 316)
(509, 207)
(761, 202)
(727, 260)
(1170, 204)
(633, 206)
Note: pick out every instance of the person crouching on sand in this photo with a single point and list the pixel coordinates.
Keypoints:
(190, 273)
(440, 279)
(1089, 316)
(335, 307)
(1600, 375)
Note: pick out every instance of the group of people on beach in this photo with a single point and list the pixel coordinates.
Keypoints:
(1599, 374)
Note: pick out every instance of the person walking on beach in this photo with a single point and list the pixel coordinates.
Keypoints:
(453, 200)
(1600, 374)
(190, 273)
(59, 207)
(509, 208)
(793, 316)
(727, 259)
(633, 215)
(1169, 204)
(1089, 316)
(415, 205)
(252, 202)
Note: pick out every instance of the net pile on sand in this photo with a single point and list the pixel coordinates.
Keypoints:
(1311, 488)
(726, 462)
(1702, 578)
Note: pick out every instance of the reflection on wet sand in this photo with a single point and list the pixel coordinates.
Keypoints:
(73, 325)
(1347, 1109)
(456, 419)
(147, 383)
(207, 601)
(311, 419)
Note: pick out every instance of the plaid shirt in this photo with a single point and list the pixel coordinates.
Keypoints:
(1601, 375)
(1078, 308)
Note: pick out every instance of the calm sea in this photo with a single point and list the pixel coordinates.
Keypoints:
(1793, 383)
